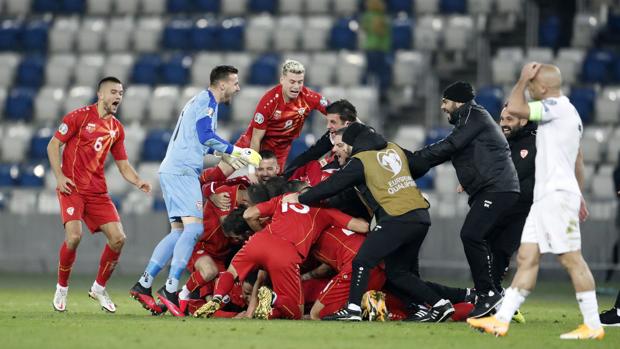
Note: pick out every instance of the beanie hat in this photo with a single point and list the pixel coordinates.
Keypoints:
(352, 131)
(459, 91)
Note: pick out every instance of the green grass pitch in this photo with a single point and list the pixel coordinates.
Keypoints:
(28, 321)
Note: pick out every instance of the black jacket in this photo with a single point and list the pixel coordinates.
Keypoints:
(352, 175)
(320, 148)
(523, 151)
(478, 150)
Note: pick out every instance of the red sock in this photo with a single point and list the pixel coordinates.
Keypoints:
(195, 281)
(213, 174)
(224, 284)
(65, 263)
(107, 263)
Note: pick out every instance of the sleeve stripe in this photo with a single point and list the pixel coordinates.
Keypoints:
(536, 111)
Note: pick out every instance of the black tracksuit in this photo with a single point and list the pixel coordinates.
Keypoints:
(481, 157)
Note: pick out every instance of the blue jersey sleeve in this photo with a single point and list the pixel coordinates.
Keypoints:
(208, 137)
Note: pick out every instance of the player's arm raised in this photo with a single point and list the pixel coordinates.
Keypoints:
(64, 184)
(517, 104)
(131, 176)
(257, 137)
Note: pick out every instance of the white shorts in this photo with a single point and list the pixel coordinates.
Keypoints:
(553, 223)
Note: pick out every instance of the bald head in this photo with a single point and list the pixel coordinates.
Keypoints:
(547, 82)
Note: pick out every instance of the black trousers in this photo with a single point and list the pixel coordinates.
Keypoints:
(485, 212)
(396, 241)
(504, 240)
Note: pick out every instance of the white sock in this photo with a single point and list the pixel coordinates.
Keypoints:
(172, 285)
(513, 298)
(589, 309)
(354, 307)
(64, 288)
(184, 294)
(440, 303)
(146, 280)
(617, 310)
(97, 288)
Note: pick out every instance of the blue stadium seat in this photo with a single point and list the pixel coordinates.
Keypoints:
(42, 6)
(426, 182)
(402, 34)
(610, 35)
(38, 144)
(492, 98)
(176, 70)
(177, 34)
(146, 70)
(453, 6)
(175, 6)
(3, 200)
(10, 35)
(205, 34)
(117, 200)
(396, 6)
(342, 36)
(549, 32)
(263, 6)
(32, 175)
(159, 205)
(583, 100)
(617, 70)
(155, 144)
(231, 35)
(436, 134)
(73, 6)
(208, 5)
(297, 147)
(223, 114)
(597, 66)
(35, 36)
(19, 104)
(9, 173)
(30, 72)
(234, 137)
(264, 70)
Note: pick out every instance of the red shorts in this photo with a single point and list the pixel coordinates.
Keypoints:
(283, 266)
(336, 294)
(280, 151)
(94, 209)
(200, 251)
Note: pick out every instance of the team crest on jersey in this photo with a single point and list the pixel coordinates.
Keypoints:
(63, 129)
(301, 111)
(524, 153)
(199, 205)
(91, 127)
(259, 118)
(288, 123)
(390, 161)
(277, 114)
(323, 101)
(112, 133)
(70, 211)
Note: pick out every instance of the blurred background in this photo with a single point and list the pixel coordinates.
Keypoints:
(390, 58)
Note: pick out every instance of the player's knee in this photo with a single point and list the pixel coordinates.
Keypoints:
(73, 238)
(571, 260)
(208, 272)
(117, 242)
(527, 260)
(315, 312)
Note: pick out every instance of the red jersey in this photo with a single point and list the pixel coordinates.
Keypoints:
(312, 173)
(88, 140)
(213, 240)
(337, 247)
(282, 121)
(298, 223)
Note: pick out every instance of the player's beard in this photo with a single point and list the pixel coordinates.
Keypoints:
(110, 109)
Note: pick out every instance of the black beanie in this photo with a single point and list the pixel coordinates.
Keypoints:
(459, 91)
(352, 131)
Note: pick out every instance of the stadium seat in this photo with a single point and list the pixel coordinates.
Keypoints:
(177, 34)
(43, 6)
(19, 104)
(445, 179)
(116, 37)
(287, 34)
(402, 33)
(88, 69)
(506, 64)
(205, 34)
(570, 61)
(244, 104)
(163, 105)
(549, 31)
(291, 7)
(159, 205)
(298, 146)
(608, 106)
(492, 99)
(79, 96)
(410, 137)
(18, 7)
(597, 66)
(240, 60)
(234, 7)
(32, 175)
(73, 6)
(30, 72)
(155, 144)
(396, 6)
(3, 94)
(180, 6)
(137, 203)
(134, 138)
(8, 174)
(99, 7)
(343, 35)
(409, 68)
(509, 6)
(126, 7)
(365, 99)
(264, 70)
(346, 7)
(426, 182)
(38, 143)
(59, 70)
(613, 148)
(119, 65)
(453, 6)
(134, 105)
(539, 54)
(153, 7)
(188, 93)
(259, 31)
(479, 6)
(48, 104)
(35, 36)
(260, 6)
(583, 100)
(63, 34)
(318, 6)
(48, 202)
(231, 35)
(146, 70)
(147, 34)
(593, 143)
(148, 171)
(91, 35)
(203, 64)
(616, 70)
(426, 7)
(436, 134)
(116, 184)
(351, 68)
(321, 70)
(212, 6)
(427, 31)
(15, 143)
(23, 201)
(316, 33)
(8, 65)
(176, 70)
(585, 27)
(458, 34)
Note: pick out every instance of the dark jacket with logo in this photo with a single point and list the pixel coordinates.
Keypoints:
(478, 150)
(523, 150)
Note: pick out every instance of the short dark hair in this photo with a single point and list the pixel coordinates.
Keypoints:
(295, 185)
(267, 154)
(235, 224)
(344, 109)
(258, 193)
(276, 186)
(108, 79)
(221, 72)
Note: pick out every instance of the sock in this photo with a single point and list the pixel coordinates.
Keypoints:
(213, 174)
(617, 304)
(195, 281)
(354, 307)
(184, 294)
(65, 263)
(359, 282)
(97, 287)
(589, 309)
(107, 263)
(182, 253)
(618, 311)
(223, 284)
(513, 299)
(161, 255)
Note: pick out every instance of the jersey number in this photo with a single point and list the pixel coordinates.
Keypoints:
(98, 144)
(299, 208)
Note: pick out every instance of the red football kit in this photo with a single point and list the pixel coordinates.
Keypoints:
(282, 121)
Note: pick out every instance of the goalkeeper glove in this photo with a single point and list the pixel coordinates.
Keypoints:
(235, 163)
(248, 154)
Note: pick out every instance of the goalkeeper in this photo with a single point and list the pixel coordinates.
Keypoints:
(193, 137)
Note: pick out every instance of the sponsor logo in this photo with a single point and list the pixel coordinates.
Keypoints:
(91, 127)
(259, 118)
(323, 101)
(487, 203)
(63, 129)
(70, 211)
(390, 161)
(288, 124)
(301, 111)
(112, 133)
(524, 153)
(277, 114)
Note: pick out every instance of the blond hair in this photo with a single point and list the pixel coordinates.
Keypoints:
(292, 66)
